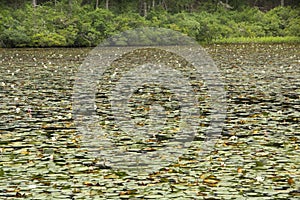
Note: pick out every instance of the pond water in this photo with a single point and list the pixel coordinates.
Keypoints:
(258, 155)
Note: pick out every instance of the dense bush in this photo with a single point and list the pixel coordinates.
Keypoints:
(55, 25)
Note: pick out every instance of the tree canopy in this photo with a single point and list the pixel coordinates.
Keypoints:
(44, 23)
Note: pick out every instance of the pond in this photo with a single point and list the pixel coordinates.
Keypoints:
(257, 156)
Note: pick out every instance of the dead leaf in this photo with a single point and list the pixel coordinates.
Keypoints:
(88, 183)
(111, 176)
(240, 170)
(24, 152)
(211, 181)
(201, 194)
(128, 192)
(291, 181)
(19, 195)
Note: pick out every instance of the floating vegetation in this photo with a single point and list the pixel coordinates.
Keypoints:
(258, 155)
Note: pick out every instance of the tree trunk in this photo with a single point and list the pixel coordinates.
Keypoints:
(107, 4)
(97, 4)
(282, 3)
(34, 3)
(255, 3)
(164, 4)
(216, 2)
(145, 9)
(70, 7)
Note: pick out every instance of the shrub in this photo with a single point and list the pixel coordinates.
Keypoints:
(14, 38)
(281, 18)
(48, 39)
(69, 33)
(158, 17)
(129, 21)
(101, 20)
(293, 27)
(210, 28)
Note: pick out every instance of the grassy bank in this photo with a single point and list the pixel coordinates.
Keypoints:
(270, 39)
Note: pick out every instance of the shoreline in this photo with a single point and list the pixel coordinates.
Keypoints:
(234, 40)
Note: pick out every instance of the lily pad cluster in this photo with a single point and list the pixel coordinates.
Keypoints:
(41, 154)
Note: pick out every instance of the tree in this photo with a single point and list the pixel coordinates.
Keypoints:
(70, 6)
(143, 8)
(34, 3)
(107, 4)
(226, 5)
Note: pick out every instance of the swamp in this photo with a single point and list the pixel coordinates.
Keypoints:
(256, 157)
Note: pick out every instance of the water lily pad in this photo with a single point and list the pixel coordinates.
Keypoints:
(42, 156)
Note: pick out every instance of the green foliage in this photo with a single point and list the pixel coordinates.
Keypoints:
(14, 37)
(293, 27)
(48, 39)
(287, 39)
(157, 17)
(129, 21)
(60, 24)
(1, 172)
